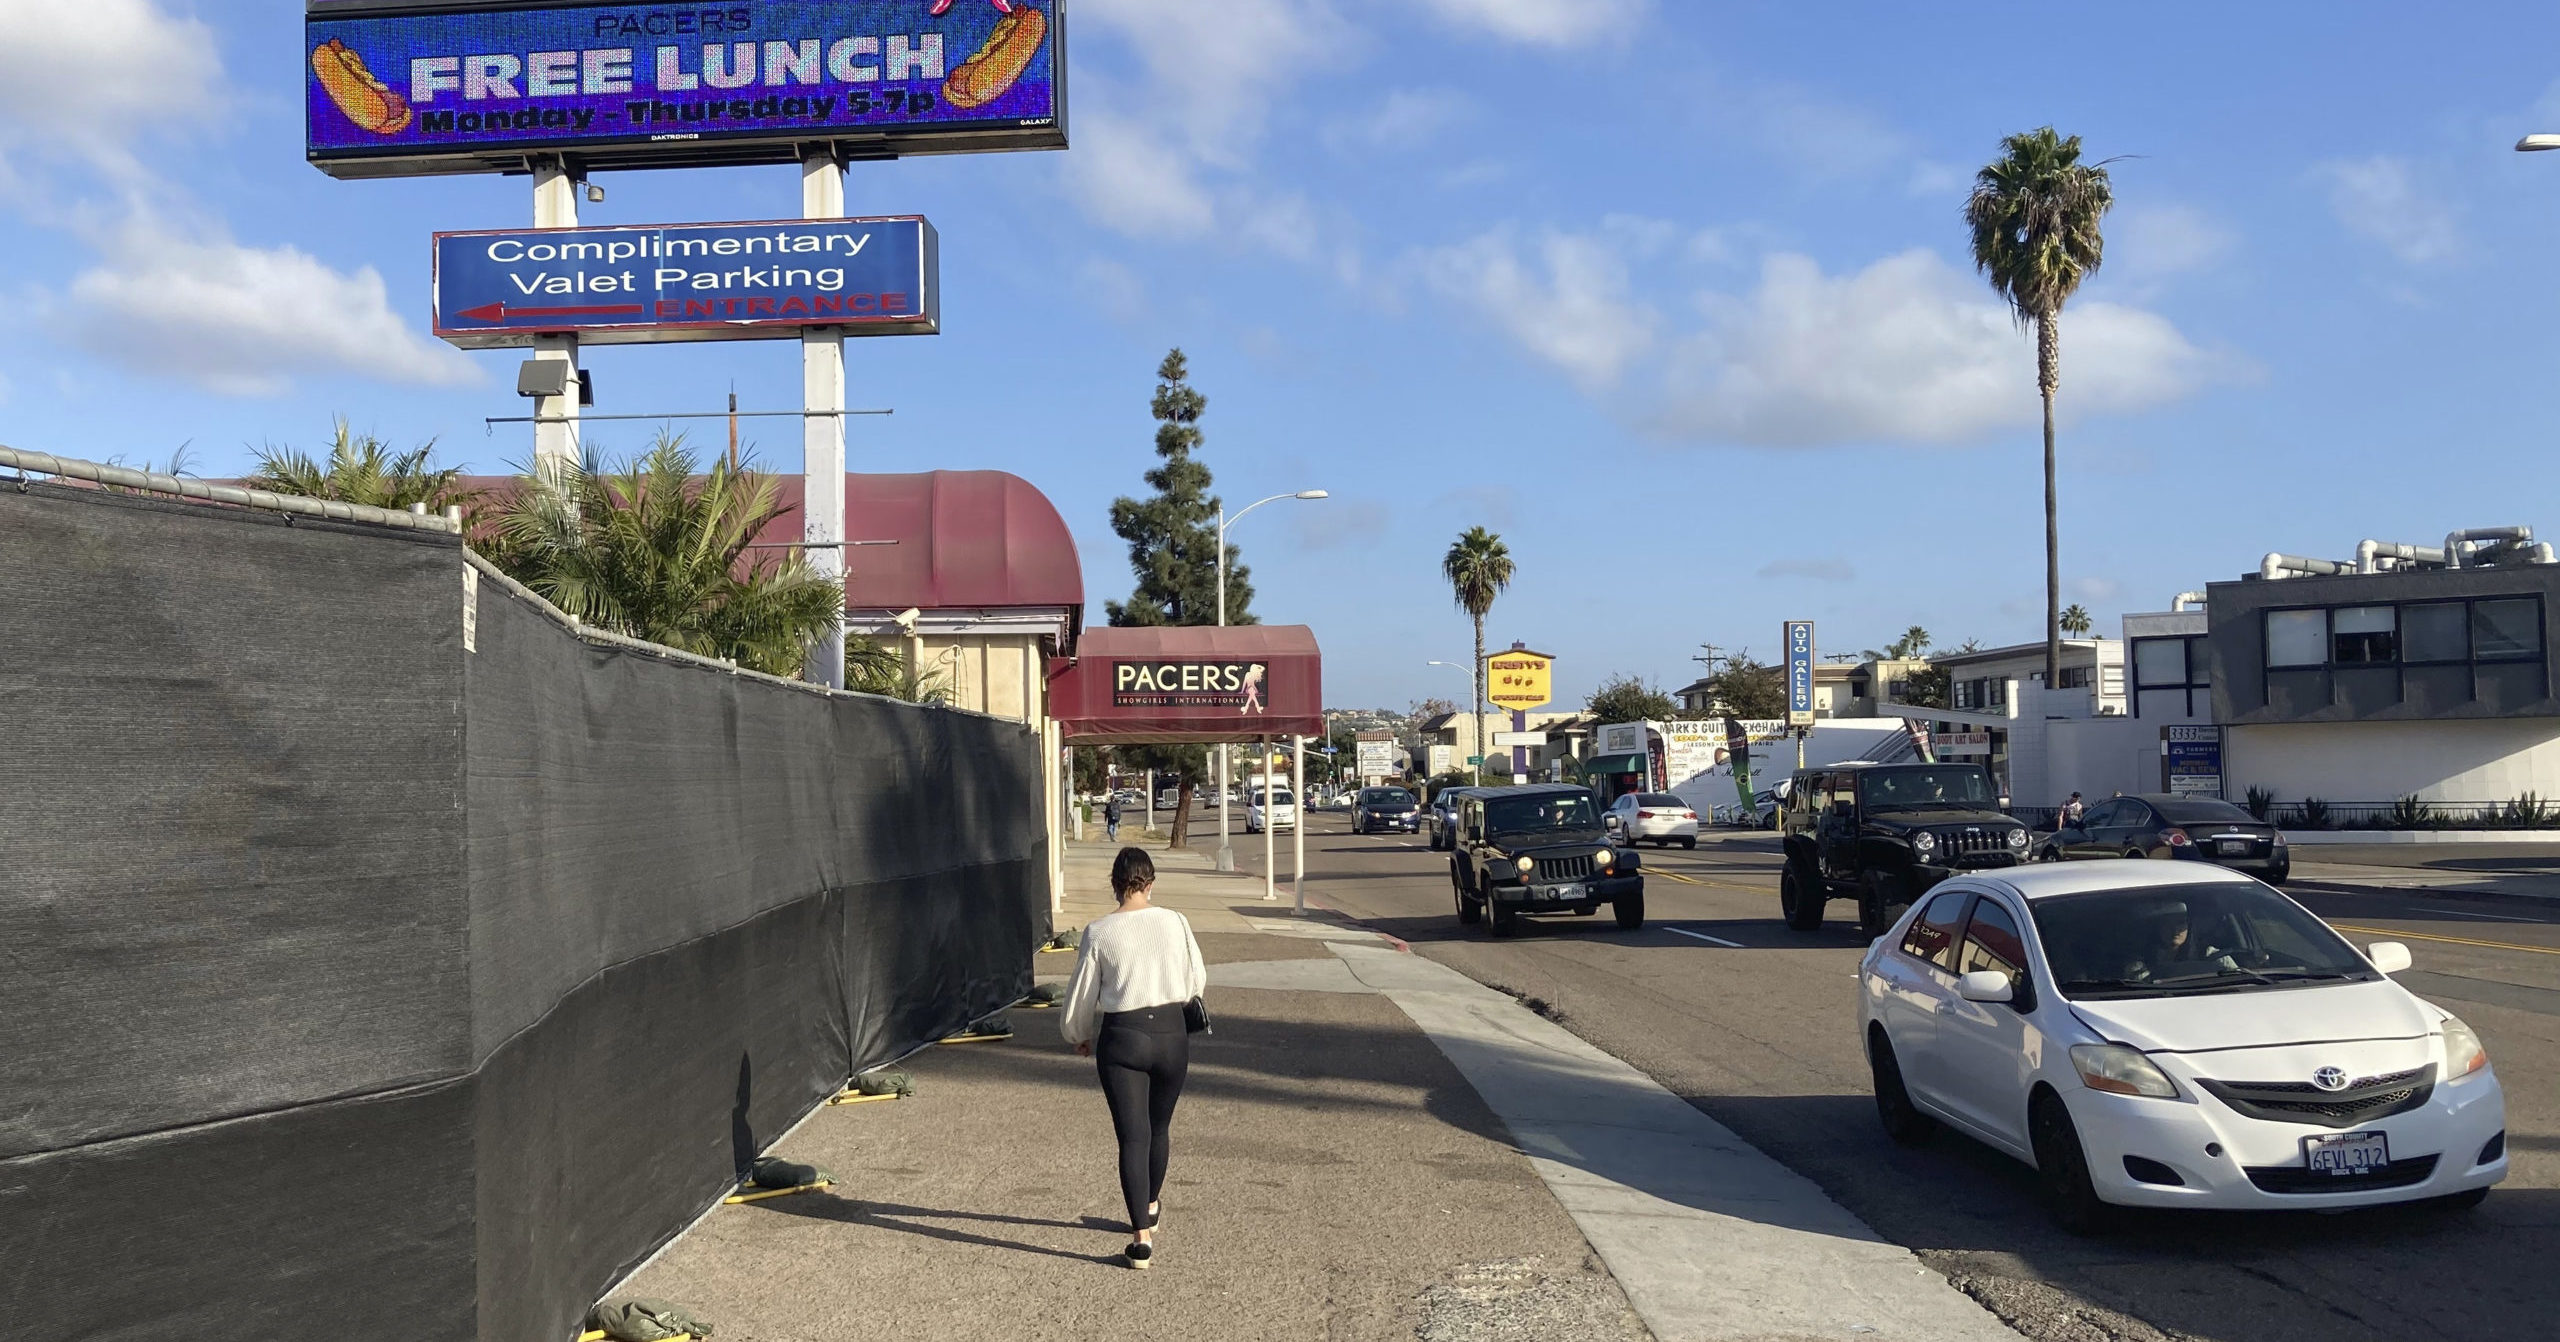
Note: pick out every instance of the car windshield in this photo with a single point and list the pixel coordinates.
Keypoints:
(1386, 796)
(2200, 811)
(1925, 785)
(2171, 941)
(1658, 799)
(1517, 815)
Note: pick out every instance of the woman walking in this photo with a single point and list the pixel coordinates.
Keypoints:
(1137, 972)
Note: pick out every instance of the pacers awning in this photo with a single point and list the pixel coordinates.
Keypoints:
(1189, 685)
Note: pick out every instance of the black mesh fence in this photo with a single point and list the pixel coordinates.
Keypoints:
(359, 984)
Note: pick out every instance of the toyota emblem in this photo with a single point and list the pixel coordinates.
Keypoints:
(2330, 1078)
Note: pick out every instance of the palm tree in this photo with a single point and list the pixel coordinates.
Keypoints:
(2034, 215)
(1478, 567)
(2075, 620)
(655, 551)
(361, 469)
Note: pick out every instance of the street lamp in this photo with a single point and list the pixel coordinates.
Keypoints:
(1226, 852)
(2531, 143)
(1477, 732)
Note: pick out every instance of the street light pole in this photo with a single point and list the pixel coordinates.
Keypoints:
(1226, 850)
(1477, 731)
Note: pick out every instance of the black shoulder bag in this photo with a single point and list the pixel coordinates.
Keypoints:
(1195, 1017)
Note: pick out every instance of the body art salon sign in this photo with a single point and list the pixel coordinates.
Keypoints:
(1187, 684)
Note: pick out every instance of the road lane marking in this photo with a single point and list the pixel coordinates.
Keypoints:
(1682, 931)
(1678, 877)
(2456, 941)
(2493, 917)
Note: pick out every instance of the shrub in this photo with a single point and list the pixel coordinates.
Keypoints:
(2315, 813)
(2261, 801)
(2411, 813)
(2527, 811)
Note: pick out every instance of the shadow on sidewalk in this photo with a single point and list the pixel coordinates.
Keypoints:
(910, 1220)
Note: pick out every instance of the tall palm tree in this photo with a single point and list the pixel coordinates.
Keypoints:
(1478, 567)
(2034, 216)
(656, 551)
(2075, 620)
(361, 469)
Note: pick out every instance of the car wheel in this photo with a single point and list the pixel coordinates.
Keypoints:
(1630, 910)
(1468, 912)
(1504, 921)
(1902, 1119)
(2134, 855)
(1881, 900)
(2062, 1170)
(2049, 853)
(1800, 897)
(1689, 843)
(2280, 875)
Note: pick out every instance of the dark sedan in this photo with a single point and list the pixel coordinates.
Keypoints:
(2192, 829)
(1384, 810)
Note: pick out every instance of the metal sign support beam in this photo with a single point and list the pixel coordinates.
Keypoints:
(555, 428)
(822, 437)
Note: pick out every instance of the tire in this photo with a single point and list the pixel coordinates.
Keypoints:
(1504, 921)
(2062, 1171)
(1800, 897)
(1629, 910)
(1881, 900)
(1903, 1121)
(1690, 844)
(1468, 914)
(2135, 855)
(2049, 853)
(2281, 875)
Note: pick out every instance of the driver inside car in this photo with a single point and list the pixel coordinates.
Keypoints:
(2169, 946)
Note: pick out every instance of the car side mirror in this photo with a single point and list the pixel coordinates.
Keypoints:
(1985, 985)
(2388, 956)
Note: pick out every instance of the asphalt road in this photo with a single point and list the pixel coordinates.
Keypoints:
(1755, 1025)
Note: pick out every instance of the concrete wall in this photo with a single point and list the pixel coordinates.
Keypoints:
(2475, 760)
(2097, 757)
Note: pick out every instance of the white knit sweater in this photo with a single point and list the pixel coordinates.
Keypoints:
(1129, 960)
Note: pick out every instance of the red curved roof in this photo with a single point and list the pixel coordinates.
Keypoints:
(965, 540)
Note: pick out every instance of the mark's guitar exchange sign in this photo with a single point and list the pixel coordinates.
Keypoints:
(1187, 684)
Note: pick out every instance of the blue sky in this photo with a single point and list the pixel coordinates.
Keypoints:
(1671, 295)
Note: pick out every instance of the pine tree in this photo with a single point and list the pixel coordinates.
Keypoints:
(1173, 535)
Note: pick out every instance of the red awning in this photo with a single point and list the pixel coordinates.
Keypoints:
(1189, 685)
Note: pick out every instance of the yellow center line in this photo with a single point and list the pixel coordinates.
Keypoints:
(2457, 941)
(1677, 876)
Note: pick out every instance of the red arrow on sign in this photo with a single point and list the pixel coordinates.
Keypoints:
(498, 312)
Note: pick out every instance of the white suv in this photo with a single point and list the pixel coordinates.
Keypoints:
(2170, 1034)
(1283, 811)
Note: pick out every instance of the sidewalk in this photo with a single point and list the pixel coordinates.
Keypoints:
(1370, 1146)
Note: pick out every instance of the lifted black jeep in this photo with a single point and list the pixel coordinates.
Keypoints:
(1883, 833)
(1520, 851)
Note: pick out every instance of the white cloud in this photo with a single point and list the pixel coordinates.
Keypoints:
(2093, 589)
(1567, 300)
(2165, 240)
(243, 321)
(1549, 23)
(1135, 182)
(1212, 68)
(2382, 199)
(1906, 350)
(1406, 119)
(1821, 570)
(89, 77)
(1116, 290)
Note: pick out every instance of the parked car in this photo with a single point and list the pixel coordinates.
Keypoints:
(2173, 1035)
(1444, 814)
(1539, 850)
(2158, 825)
(1282, 813)
(1883, 834)
(1766, 803)
(1653, 817)
(1384, 810)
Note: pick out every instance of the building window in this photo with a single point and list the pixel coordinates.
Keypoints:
(2509, 629)
(1999, 688)
(2435, 633)
(2077, 677)
(2297, 638)
(2174, 664)
(2365, 635)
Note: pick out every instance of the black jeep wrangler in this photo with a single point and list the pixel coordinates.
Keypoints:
(1883, 833)
(1525, 850)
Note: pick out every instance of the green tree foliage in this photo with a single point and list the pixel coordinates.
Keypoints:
(1173, 534)
(361, 469)
(1628, 699)
(1478, 566)
(1750, 689)
(2034, 216)
(874, 667)
(2075, 620)
(652, 550)
(1913, 643)
(1929, 687)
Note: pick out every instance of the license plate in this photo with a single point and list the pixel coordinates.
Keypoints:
(2232, 847)
(1563, 892)
(2346, 1153)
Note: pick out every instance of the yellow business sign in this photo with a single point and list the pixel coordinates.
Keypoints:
(1519, 680)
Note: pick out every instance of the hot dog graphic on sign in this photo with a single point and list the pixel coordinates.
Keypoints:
(570, 74)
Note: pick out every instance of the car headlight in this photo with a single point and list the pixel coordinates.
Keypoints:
(1924, 843)
(2118, 1070)
(2017, 838)
(2463, 1054)
(1604, 857)
(1527, 865)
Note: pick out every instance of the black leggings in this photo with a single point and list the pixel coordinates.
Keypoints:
(1143, 1056)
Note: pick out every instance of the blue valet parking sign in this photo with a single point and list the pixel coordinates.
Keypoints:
(666, 283)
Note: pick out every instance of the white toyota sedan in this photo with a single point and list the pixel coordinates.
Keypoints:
(1653, 817)
(2162, 1034)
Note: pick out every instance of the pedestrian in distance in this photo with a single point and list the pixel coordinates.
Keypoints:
(1132, 1007)
(2069, 816)
(1111, 817)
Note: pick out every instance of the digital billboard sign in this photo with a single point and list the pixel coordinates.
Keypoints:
(409, 89)
(684, 282)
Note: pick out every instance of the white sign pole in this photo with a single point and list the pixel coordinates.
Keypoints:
(555, 427)
(822, 434)
(1270, 809)
(1298, 835)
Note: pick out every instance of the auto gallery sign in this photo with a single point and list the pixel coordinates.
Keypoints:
(1189, 684)
(683, 282)
(402, 89)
